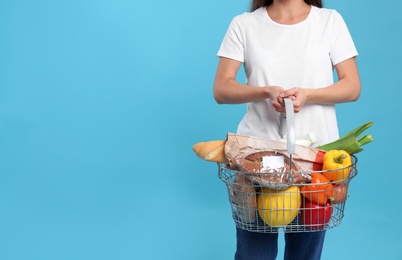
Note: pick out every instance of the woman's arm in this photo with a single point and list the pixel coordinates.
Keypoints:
(346, 89)
(228, 91)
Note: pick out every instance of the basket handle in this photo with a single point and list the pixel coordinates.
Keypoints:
(290, 125)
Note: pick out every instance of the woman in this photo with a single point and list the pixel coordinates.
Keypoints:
(288, 49)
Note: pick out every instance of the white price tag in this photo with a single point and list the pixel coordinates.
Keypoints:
(273, 162)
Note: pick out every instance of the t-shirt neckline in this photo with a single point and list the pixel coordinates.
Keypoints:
(264, 9)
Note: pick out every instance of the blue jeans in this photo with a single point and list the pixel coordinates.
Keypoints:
(264, 246)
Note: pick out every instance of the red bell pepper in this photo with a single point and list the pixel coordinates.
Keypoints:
(315, 216)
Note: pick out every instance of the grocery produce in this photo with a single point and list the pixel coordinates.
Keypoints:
(315, 216)
(351, 142)
(319, 190)
(336, 165)
(243, 198)
(279, 207)
(339, 193)
(212, 151)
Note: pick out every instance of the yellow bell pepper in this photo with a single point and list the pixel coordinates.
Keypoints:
(336, 165)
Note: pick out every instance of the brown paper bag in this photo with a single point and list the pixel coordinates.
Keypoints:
(307, 158)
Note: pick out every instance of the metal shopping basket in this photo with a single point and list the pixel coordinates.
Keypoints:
(270, 207)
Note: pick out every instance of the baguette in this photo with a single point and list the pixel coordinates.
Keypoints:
(212, 151)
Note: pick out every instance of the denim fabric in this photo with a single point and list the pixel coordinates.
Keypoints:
(264, 246)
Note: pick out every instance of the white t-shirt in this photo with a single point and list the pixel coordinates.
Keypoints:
(299, 55)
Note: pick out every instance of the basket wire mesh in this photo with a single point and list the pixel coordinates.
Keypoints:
(257, 208)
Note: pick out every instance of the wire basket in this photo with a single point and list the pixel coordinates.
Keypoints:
(281, 204)
(258, 208)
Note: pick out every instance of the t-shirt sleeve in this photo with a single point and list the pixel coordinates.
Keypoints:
(342, 45)
(232, 46)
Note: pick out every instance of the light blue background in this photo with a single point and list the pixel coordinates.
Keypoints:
(101, 102)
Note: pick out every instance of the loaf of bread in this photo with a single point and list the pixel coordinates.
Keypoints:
(270, 177)
(243, 198)
(212, 151)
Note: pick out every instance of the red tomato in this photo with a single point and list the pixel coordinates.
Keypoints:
(315, 216)
(339, 193)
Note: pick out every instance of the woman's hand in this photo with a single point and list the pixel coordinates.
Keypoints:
(297, 95)
(274, 92)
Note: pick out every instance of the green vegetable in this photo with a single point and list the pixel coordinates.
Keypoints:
(351, 142)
